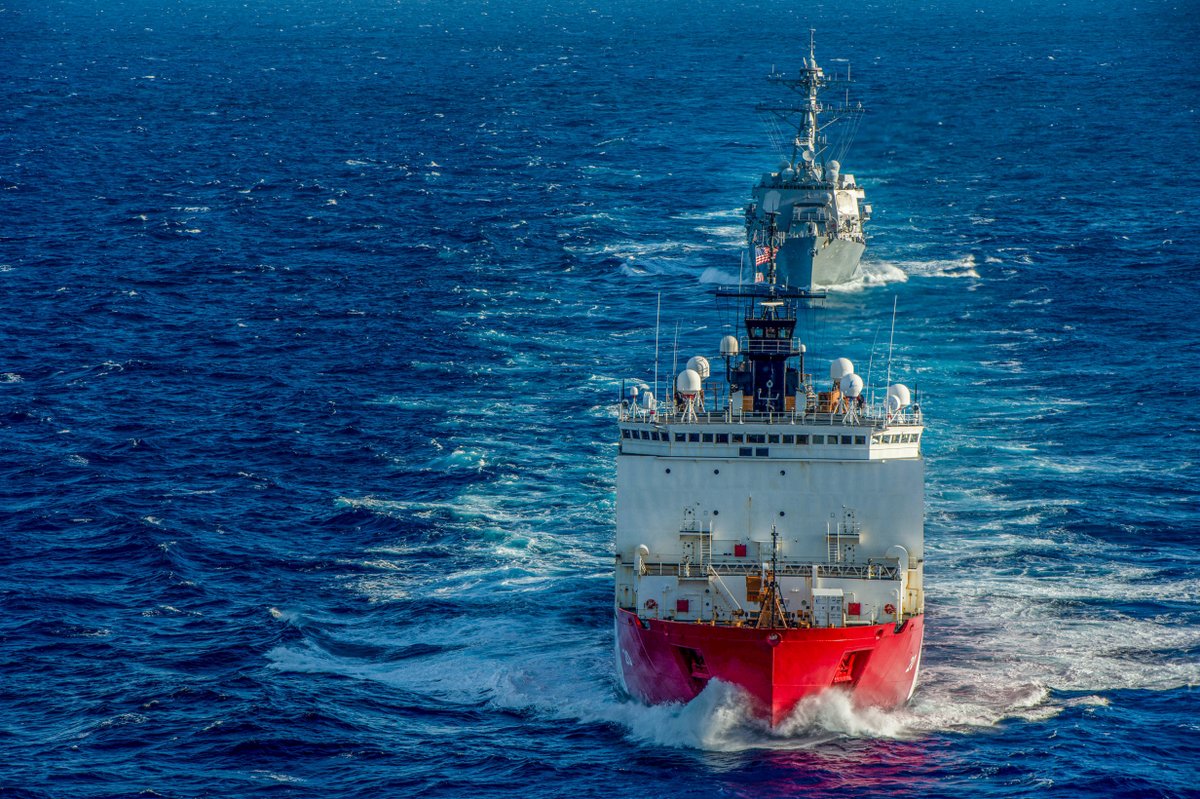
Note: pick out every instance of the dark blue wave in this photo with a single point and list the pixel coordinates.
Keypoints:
(310, 315)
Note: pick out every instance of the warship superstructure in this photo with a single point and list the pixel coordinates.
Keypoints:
(808, 213)
(770, 524)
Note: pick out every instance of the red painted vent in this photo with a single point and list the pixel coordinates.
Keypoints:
(739, 550)
(681, 606)
(853, 608)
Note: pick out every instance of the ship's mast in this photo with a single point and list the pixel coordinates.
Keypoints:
(771, 612)
(772, 248)
(811, 79)
(805, 116)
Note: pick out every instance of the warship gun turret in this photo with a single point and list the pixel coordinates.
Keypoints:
(809, 214)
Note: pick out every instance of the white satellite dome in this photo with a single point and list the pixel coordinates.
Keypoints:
(699, 365)
(900, 392)
(852, 385)
(648, 400)
(729, 346)
(840, 368)
(688, 382)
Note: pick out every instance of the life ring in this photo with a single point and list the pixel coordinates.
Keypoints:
(889, 609)
(650, 604)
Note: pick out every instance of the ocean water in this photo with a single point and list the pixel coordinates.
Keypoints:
(312, 314)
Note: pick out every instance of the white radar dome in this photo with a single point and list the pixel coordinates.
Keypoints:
(648, 400)
(834, 166)
(699, 365)
(688, 382)
(852, 385)
(900, 392)
(729, 346)
(840, 368)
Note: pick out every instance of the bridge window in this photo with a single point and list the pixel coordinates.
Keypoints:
(694, 438)
(762, 452)
(847, 439)
(819, 439)
(737, 438)
(708, 437)
(626, 434)
(755, 438)
(789, 439)
(860, 439)
(722, 438)
(745, 452)
(772, 439)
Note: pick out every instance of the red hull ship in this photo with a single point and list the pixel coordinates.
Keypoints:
(770, 535)
(674, 661)
(770, 527)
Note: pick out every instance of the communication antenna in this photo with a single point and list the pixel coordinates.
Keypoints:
(892, 338)
(675, 353)
(657, 318)
(871, 362)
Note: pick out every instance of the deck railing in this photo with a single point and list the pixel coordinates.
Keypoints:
(869, 416)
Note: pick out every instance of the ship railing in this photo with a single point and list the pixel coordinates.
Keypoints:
(687, 569)
(869, 416)
(771, 347)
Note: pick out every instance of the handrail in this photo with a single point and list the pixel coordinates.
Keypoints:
(861, 571)
(870, 416)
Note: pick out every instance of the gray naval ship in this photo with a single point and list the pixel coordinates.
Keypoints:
(809, 212)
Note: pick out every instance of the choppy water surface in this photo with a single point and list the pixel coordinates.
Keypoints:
(312, 315)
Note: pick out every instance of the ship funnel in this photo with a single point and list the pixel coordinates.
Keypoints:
(852, 385)
(729, 346)
(688, 383)
(699, 365)
(840, 368)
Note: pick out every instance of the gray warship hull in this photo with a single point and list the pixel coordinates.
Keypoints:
(805, 223)
(809, 262)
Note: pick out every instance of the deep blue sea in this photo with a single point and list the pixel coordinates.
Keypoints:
(313, 312)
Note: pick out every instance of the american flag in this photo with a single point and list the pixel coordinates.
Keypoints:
(762, 255)
(758, 277)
